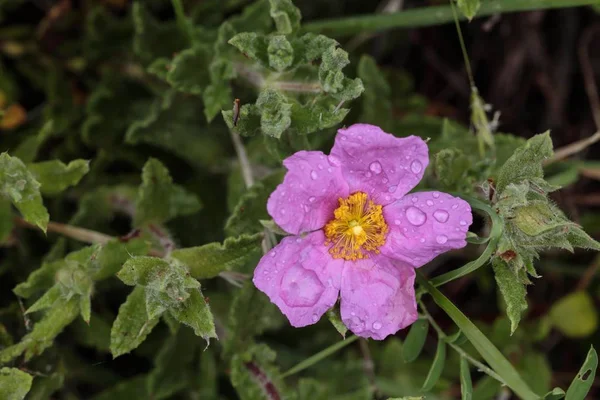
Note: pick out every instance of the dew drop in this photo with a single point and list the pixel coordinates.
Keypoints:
(375, 167)
(282, 212)
(416, 166)
(320, 166)
(422, 240)
(387, 198)
(315, 317)
(368, 174)
(273, 253)
(441, 239)
(282, 193)
(313, 175)
(441, 216)
(397, 222)
(429, 203)
(376, 325)
(344, 138)
(462, 222)
(415, 216)
(414, 199)
(265, 272)
(436, 195)
(384, 180)
(454, 207)
(329, 170)
(312, 199)
(392, 189)
(334, 160)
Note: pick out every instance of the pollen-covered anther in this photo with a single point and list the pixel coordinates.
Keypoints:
(357, 229)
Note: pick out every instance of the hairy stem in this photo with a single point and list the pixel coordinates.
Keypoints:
(255, 78)
(81, 234)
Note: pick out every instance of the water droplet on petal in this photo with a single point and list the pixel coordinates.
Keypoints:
(387, 198)
(368, 174)
(463, 223)
(397, 222)
(376, 325)
(436, 195)
(416, 166)
(344, 138)
(334, 160)
(384, 180)
(422, 240)
(375, 167)
(441, 239)
(282, 211)
(441, 216)
(313, 175)
(455, 206)
(414, 199)
(273, 253)
(312, 199)
(320, 166)
(429, 203)
(392, 189)
(315, 317)
(415, 216)
(282, 193)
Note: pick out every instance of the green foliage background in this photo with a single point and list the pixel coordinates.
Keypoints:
(132, 211)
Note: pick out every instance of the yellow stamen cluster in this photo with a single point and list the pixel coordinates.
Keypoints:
(358, 228)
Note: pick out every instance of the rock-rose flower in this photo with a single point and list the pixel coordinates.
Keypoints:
(358, 233)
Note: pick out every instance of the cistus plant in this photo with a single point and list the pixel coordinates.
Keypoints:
(214, 200)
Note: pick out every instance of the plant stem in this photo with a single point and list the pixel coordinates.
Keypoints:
(319, 356)
(81, 234)
(442, 335)
(255, 78)
(242, 156)
(427, 16)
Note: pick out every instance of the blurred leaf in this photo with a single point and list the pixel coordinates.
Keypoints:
(437, 366)
(28, 149)
(106, 35)
(415, 340)
(55, 176)
(187, 72)
(376, 104)
(6, 220)
(160, 200)
(466, 386)
(45, 386)
(208, 260)
(575, 315)
(479, 119)
(14, 384)
(513, 292)
(555, 394)
(468, 7)
(195, 312)
(132, 324)
(582, 383)
(62, 313)
(536, 371)
(129, 389)
(286, 16)
(20, 186)
(40, 279)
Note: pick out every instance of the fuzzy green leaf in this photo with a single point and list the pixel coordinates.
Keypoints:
(40, 279)
(14, 384)
(582, 383)
(55, 176)
(336, 320)
(160, 200)
(275, 112)
(47, 299)
(132, 324)
(575, 315)
(513, 291)
(208, 260)
(253, 46)
(280, 53)
(254, 376)
(20, 186)
(526, 162)
(195, 312)
(62, 313)
(188, 72)
(286, 16)
(28, 149)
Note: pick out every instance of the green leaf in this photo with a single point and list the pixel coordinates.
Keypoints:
(188, 72)
(195, 312)
(280, 53)
(47, 300)
(376, 100)
(537, 218)
(14, 384)
(55, 176)
(208, 260)
(481, 343)
(173, 366)
(437, 366)
(160, 200)
(19, 185)
(62, 313)
(110, 257)
(253, 46)
(286, 16)
(415, 340)
(336, 320)
(536, 371)
(40, 279)
(513, 291)
(555, 394)
(582, 383)
(128, 389)
(575, 315)
(466, 386)
(468, 7)
(275, 112)
(526, 162)
(44, 386)
(251, 207)
(28, 149)
(132, 324)
(6, 220)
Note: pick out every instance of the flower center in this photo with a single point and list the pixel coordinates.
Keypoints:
(357, 229)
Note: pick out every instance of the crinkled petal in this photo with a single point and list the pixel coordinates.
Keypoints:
(377, 297)
(423, 225)
(379, 164)
(300, 277)
(309, 194)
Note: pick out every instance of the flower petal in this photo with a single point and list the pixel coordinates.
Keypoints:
(425, 224)
(309, 194)
(379, 164)
(300, 277)
(378, 297)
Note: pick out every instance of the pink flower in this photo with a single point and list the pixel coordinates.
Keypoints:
(358, 233)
